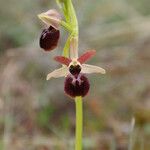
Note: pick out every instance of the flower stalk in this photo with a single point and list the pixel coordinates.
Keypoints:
(79, 123)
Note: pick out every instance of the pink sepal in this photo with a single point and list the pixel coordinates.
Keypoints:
(86, 56)
(63, 60)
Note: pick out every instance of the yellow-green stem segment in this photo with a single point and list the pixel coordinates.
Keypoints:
(71, 24)
(79, 123)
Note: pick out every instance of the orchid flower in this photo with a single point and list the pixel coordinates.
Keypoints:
(74, 70)
(50, 36)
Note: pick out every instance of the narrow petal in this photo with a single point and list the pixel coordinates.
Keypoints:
(61, 72)
(63, 60)
(86, 56)
(92, 69)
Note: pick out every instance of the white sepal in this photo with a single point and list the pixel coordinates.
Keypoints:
(92, 69)
(61, 72)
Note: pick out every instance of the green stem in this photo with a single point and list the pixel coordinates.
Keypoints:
(71, 25)
(79, 123)
(66, 26)
(66, 47)
(72, 14)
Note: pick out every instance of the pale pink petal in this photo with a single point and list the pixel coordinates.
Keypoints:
(61, 72)
(92, 69)
(63, 60)
(51, 18)
(53, 13)
(86, 56)
(74, 48)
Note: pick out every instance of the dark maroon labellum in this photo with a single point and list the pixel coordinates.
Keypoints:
(49, 38)
(76, 85)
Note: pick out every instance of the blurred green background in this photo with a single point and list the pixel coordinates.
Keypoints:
(35, 114)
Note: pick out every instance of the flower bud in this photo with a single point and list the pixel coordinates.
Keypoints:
(76, 85)
(49, 38)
